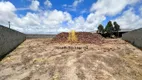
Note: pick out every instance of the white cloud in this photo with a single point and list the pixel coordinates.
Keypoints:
(52, 21)
(40, 22)
(103, 8)
(48, 3)
(55, 18)
(76, 2)
(73, 6)
(140, 10)
(111, 7)
(89, 24)
(129, 20)
(78, 24)
(34, 5)
(6, 12)
(93, 20)
(44, 22)
(31, 19)
(56, 21)
(7, 7)
(58, 16)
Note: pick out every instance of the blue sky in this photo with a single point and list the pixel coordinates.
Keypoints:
(57, 5)
(45, 16)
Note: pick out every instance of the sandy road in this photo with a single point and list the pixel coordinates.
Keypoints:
(38, 59)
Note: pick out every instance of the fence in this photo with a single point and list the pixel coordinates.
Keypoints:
(9, 39)
(134, 37)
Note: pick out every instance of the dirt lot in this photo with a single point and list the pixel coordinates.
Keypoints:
(38, 59)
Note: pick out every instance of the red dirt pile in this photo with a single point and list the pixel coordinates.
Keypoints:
(83, 37)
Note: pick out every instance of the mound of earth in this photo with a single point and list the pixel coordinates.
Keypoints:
(83, 37)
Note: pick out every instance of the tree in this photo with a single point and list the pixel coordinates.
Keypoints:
(116, 28)
(100, 29)
(109, 28)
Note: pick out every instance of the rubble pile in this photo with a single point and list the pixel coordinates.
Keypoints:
(83, 37)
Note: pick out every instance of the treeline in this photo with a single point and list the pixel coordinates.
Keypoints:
(109, 29)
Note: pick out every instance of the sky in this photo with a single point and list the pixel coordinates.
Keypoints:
(54, 16)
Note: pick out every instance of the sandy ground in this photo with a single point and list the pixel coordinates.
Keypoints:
(38, 59)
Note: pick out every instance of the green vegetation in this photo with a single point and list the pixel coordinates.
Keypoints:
(101, 29)
(109, 29)
(116, 28)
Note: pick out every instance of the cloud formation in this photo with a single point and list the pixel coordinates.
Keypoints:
(76, 2)
(47, 21)
(34, 5)
(48, 3)
(129, 20)
(103, 8)
(73, 6)
(7, 12)
(111, 7)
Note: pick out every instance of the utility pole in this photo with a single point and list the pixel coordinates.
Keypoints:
(9, 23)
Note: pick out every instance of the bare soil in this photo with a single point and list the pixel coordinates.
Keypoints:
(38, 59)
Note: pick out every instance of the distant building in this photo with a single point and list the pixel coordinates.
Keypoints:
(122, 31)
(117, 34)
